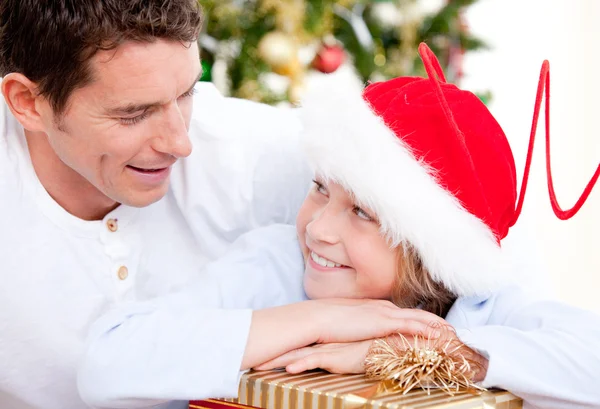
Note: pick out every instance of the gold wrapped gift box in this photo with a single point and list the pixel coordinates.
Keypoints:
(322, 390)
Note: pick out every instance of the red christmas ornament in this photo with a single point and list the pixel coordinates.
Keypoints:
(329, 58)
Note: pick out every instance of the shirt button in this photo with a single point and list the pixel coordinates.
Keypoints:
(123, 273)
(112, 225)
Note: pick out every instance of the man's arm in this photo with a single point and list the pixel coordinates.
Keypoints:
(193, 344)
(543, 351)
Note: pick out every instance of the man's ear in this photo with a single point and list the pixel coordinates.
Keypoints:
(21, 97)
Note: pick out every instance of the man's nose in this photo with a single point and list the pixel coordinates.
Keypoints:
(173, 138)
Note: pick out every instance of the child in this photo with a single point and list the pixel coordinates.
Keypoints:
(415, 190)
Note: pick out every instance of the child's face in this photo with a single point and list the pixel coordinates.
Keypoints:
(344, 252)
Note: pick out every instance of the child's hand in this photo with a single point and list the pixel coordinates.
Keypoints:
(345, 358)
(349, 358)
(350, 320)
(275, 331)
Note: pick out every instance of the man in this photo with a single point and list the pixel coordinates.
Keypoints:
(117, 185)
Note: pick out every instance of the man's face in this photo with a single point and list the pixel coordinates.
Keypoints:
(124, 130)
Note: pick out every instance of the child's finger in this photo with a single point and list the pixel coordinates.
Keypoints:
(284, 360)
(312, 361)
(415, 327)
(415, 314)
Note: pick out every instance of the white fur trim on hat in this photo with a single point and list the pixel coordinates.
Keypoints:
(347, 143)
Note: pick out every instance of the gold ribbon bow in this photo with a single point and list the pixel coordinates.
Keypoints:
(428, 362)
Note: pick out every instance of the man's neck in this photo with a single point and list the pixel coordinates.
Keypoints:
(68, 188)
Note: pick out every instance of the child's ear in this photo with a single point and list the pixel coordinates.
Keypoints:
(22, 99)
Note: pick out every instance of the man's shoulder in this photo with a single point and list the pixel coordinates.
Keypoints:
(246, 167)
(216, 117)
(233, 137)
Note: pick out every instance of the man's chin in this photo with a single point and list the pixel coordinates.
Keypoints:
(143, 198)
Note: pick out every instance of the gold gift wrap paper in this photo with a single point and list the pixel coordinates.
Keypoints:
(322, 390)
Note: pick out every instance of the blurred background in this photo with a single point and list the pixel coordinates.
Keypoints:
(521, 34)
(271, 50)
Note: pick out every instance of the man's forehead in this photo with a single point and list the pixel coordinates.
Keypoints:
(136, 54)
(135, 71)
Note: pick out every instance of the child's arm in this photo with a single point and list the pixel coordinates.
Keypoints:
(193, 344)
(543, 351)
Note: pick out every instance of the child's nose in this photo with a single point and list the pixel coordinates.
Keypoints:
(322, 228)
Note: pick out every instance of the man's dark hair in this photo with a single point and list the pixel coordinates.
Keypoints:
(52, 41)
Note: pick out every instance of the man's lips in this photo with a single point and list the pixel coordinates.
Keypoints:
(149, 169)
(151, 176)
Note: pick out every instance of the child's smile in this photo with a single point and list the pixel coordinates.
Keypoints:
(345, 254)
(320, 262)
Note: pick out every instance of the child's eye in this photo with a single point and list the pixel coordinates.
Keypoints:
(362, 214)
(319, 187)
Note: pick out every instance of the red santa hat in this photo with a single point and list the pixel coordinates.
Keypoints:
(433, 164)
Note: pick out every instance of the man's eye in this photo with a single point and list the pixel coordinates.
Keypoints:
(135, 119)
(188, 94)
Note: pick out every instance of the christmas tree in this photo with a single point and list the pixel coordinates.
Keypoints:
(265, 50)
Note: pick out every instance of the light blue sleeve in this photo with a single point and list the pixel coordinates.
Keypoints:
(190, 345)
(543, 351)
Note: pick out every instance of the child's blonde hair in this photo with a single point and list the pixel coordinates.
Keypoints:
(414, 286)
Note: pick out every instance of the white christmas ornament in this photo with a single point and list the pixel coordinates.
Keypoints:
(387, 14)
(355, 18)
(220, 76)
(278, 84)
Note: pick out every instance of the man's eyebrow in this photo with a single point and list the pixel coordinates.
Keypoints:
(130, 109)
(133, 108)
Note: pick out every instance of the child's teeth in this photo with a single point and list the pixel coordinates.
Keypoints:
(323, 261)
